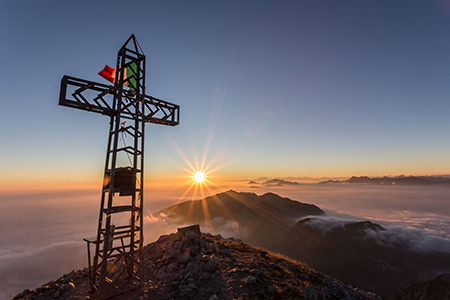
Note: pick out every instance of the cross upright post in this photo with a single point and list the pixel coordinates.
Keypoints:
(120, 236)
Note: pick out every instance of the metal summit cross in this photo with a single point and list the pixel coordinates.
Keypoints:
(119, 243)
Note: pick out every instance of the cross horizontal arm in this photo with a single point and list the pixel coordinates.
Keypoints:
(96, 97)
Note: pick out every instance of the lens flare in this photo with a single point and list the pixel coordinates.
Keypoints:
(199, 177)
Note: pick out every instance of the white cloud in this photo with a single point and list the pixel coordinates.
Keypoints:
(37, 266)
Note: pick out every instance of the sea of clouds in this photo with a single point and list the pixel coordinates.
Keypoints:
(42, 233)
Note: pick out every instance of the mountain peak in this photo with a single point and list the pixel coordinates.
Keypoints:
(204, 266)
(242, 207)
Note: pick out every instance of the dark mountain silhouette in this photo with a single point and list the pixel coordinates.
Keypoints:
(279, 182)
(269, 214)
(188, 265)
(399, 180)
(242, 207)
(355, 252)
(435, 289)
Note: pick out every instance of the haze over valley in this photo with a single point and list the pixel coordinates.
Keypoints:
(39, 247)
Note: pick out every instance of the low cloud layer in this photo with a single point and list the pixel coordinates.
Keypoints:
(36, 266)
(42, 234)
(392, 236)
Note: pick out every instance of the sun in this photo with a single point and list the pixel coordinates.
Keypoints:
(199, 177)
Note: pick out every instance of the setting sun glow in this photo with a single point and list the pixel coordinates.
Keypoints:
(199, 177)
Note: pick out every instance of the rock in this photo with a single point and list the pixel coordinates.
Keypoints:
(194, 249)
(249, 280)
(185, 240)
(172, 267)
(203, 244)
(304, 276)
(184, 290)
(70, 276)
(57, 293)
(212, 263)
(204, 258)
(23, 294)
(163, 238)
(310, 293)
(177, 245)
(161, 273)
(184, 258)
(192, 286)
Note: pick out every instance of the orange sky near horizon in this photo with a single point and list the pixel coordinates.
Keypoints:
(172, 178)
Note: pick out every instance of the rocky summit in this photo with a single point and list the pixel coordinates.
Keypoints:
(193, 265)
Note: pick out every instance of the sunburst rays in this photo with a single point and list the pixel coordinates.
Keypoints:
(199, 179)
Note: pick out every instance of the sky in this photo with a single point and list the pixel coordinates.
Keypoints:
(265, 88)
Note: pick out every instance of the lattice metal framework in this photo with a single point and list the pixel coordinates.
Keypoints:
(120, 225)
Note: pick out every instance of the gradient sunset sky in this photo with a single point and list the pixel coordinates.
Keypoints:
(266, 88)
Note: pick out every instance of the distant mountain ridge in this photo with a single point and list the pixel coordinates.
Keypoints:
(279, 182)
(275, 182)
(398, 180)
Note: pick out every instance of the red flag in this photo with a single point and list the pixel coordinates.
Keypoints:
(108, 73)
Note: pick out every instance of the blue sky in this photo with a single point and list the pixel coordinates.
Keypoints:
(266, 88)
